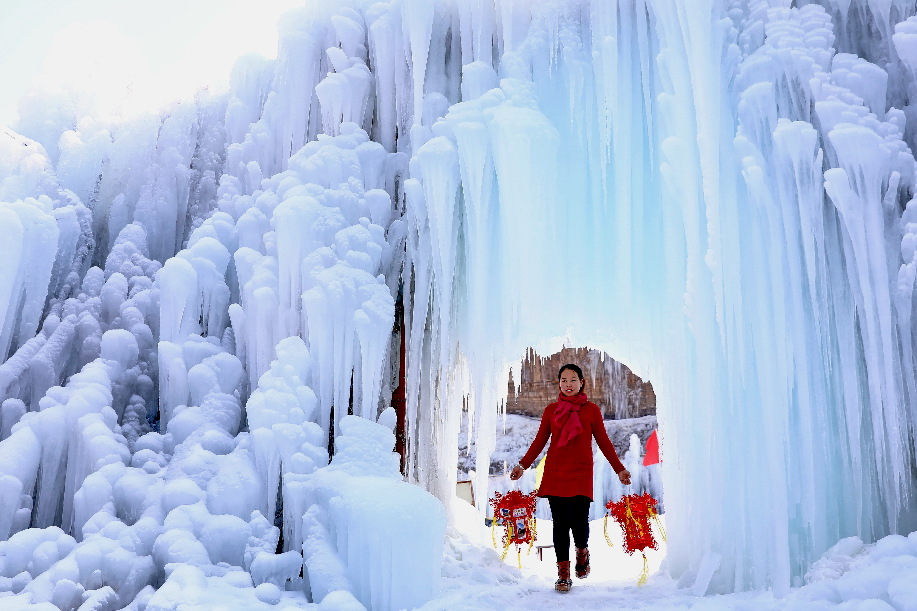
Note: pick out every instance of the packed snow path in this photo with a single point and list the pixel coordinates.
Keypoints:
(476, 578)
(851, 576)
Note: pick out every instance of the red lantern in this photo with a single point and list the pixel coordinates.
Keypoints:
(633, 512)
(515, 512)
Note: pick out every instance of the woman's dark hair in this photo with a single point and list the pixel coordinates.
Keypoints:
(575, 369)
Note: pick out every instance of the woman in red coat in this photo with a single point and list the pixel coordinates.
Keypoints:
(571, 422)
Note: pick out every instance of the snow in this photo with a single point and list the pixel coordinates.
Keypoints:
(850, 575)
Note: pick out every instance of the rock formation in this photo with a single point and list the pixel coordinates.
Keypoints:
(610, 385)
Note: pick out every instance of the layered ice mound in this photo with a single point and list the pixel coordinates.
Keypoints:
(870, 576)
(368, 532)
(371, 541)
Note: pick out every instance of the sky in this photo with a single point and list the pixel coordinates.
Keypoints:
(131, 55)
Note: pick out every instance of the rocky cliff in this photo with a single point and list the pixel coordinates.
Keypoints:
(610, 385)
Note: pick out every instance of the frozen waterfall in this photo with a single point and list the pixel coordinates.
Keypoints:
(198, 307)
(719, 198)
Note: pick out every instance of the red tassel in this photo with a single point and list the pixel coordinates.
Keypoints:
(515, 512)
(633, 512)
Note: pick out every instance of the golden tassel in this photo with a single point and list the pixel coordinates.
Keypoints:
(645, 573)
(534, 534)
(509, 541)
(630, 516)
(607, 538)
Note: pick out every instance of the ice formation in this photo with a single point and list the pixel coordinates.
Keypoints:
(197, 308)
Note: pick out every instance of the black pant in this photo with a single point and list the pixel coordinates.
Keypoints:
(570, 513)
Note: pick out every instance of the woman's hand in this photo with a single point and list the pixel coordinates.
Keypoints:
(624, 476)
(516, 473)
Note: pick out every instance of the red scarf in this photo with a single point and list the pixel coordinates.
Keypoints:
(566, 416)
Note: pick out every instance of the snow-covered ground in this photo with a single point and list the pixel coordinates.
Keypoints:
(850, 576)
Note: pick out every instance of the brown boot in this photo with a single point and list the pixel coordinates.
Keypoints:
(563, 583)
(582, 563)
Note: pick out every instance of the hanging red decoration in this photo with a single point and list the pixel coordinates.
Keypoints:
(515, 512)
(652, 450)
(633, 513)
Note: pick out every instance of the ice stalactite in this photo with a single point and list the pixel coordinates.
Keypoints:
(29, 251)
(288, 443)
(183, 161)
(780, 84)
(325, 270)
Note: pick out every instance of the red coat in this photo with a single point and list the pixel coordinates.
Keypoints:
(568, 471)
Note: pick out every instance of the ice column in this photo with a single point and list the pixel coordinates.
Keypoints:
(28, 255)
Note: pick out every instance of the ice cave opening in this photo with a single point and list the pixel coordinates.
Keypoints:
(628, 407)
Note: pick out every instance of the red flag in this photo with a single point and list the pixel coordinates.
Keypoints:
(652, 450)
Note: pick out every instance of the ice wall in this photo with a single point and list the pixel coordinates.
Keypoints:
(255, 310)
(717, 193)
(719, 198)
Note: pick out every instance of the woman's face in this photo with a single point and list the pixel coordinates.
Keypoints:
(570, 383)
